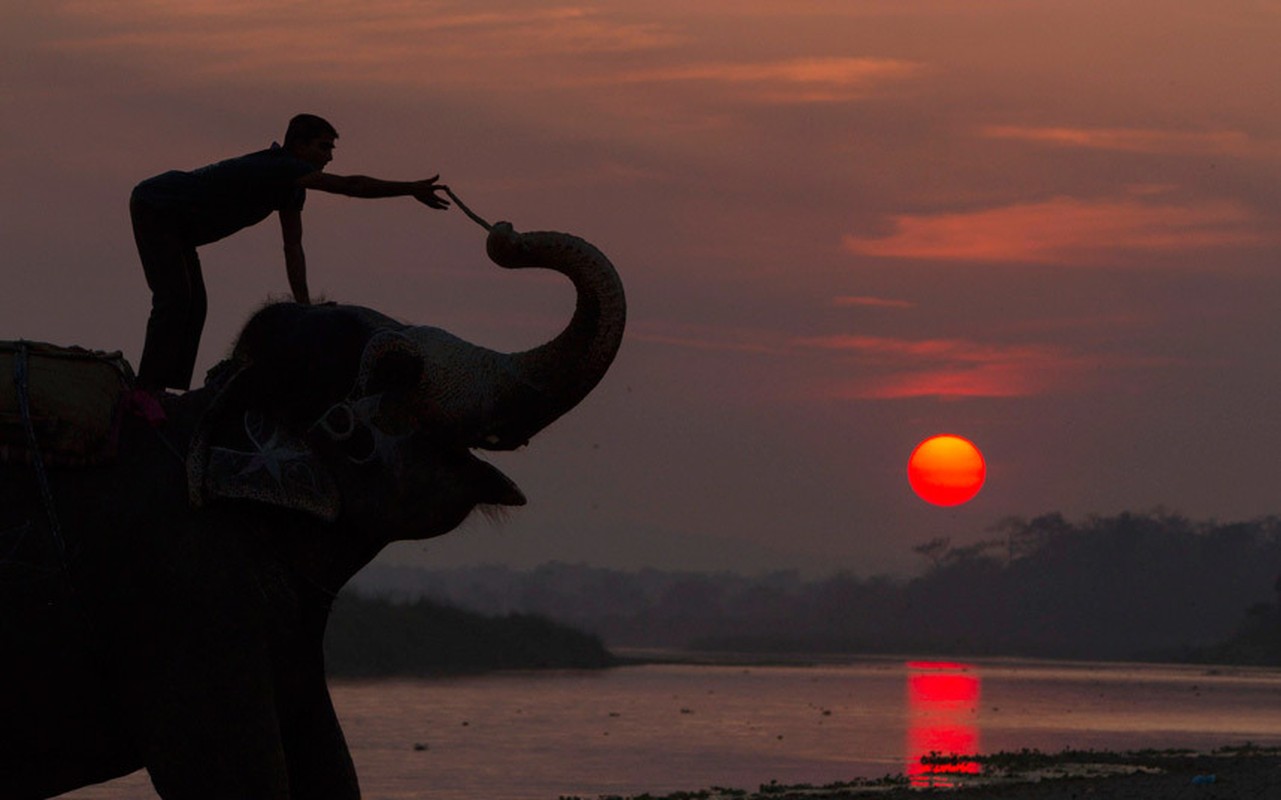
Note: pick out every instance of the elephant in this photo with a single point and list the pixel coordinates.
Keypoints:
(166, 609)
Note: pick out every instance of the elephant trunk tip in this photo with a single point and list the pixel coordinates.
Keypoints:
(505, 247)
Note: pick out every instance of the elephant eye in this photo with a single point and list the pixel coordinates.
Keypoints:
(338, 422)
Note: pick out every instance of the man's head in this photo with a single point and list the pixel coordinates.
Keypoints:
(311, 138)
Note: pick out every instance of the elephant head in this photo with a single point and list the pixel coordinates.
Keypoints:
(341, 412)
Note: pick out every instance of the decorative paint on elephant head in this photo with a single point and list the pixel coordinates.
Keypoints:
(342, 412)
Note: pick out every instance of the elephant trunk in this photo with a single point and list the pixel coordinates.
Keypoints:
(500, 400)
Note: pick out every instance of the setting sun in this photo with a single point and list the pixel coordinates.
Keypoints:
(946, 470)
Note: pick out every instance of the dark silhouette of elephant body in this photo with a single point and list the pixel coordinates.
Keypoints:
(182, 628)
(174, 645)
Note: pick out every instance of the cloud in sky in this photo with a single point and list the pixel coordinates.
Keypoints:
(404, 43)
(983, 380)
(751, 343)
(863, 301)
(1140, 140)
(348, 43)
(895, 368)
(644, 80)
(801, 80)
(1065, 230)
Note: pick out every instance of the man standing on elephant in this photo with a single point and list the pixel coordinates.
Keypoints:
(176, 212)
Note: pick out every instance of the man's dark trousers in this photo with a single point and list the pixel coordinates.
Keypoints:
(178, 301)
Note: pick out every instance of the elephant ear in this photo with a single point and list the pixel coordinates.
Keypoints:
(278, 469)
(260, 460)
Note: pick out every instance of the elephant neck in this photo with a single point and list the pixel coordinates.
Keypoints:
(321, 559)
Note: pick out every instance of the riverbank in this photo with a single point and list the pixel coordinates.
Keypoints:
(1244, 773)
(379, 637)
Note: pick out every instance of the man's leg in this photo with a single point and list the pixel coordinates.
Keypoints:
(177, 301)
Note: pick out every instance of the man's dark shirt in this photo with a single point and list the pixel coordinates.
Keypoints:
(214, 202)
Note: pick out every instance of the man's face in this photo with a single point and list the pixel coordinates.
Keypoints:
(318, 151)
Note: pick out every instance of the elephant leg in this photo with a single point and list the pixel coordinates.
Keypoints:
(195, 765)
(320, 765)
(217, 737)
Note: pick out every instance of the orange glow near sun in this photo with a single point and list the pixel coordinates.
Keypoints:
(946, 470)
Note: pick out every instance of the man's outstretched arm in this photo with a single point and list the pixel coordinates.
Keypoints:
(363, 186)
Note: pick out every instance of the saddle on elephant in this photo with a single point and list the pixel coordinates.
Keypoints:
(73, 398)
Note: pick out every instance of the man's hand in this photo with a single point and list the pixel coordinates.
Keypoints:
(425, 193)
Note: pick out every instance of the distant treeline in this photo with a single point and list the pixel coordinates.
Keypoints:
(371, 636)
(1121, 587)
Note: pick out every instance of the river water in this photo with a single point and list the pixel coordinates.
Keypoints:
(540, 736)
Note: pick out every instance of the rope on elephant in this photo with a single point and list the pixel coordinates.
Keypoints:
(20, 381)
(463, 207)
(170, 446)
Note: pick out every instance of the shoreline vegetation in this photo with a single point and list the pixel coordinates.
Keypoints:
(376, 637)
(379, 636)
(1152, 587)
(1246, 772)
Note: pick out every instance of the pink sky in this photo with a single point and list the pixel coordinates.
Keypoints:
(1050, 227)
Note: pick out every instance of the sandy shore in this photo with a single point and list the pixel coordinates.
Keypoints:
(1239, 774)
(1235, 775)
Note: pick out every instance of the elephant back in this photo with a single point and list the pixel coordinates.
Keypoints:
(74, 399)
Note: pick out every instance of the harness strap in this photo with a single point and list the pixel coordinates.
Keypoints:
(21, 383)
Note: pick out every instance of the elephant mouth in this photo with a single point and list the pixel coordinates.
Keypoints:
(492, 486)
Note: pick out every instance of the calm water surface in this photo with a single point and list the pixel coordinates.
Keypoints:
(538, 736)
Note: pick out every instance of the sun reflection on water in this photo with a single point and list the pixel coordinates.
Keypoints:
(942, 707)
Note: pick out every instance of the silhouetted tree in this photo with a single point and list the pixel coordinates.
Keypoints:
(934, 549)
